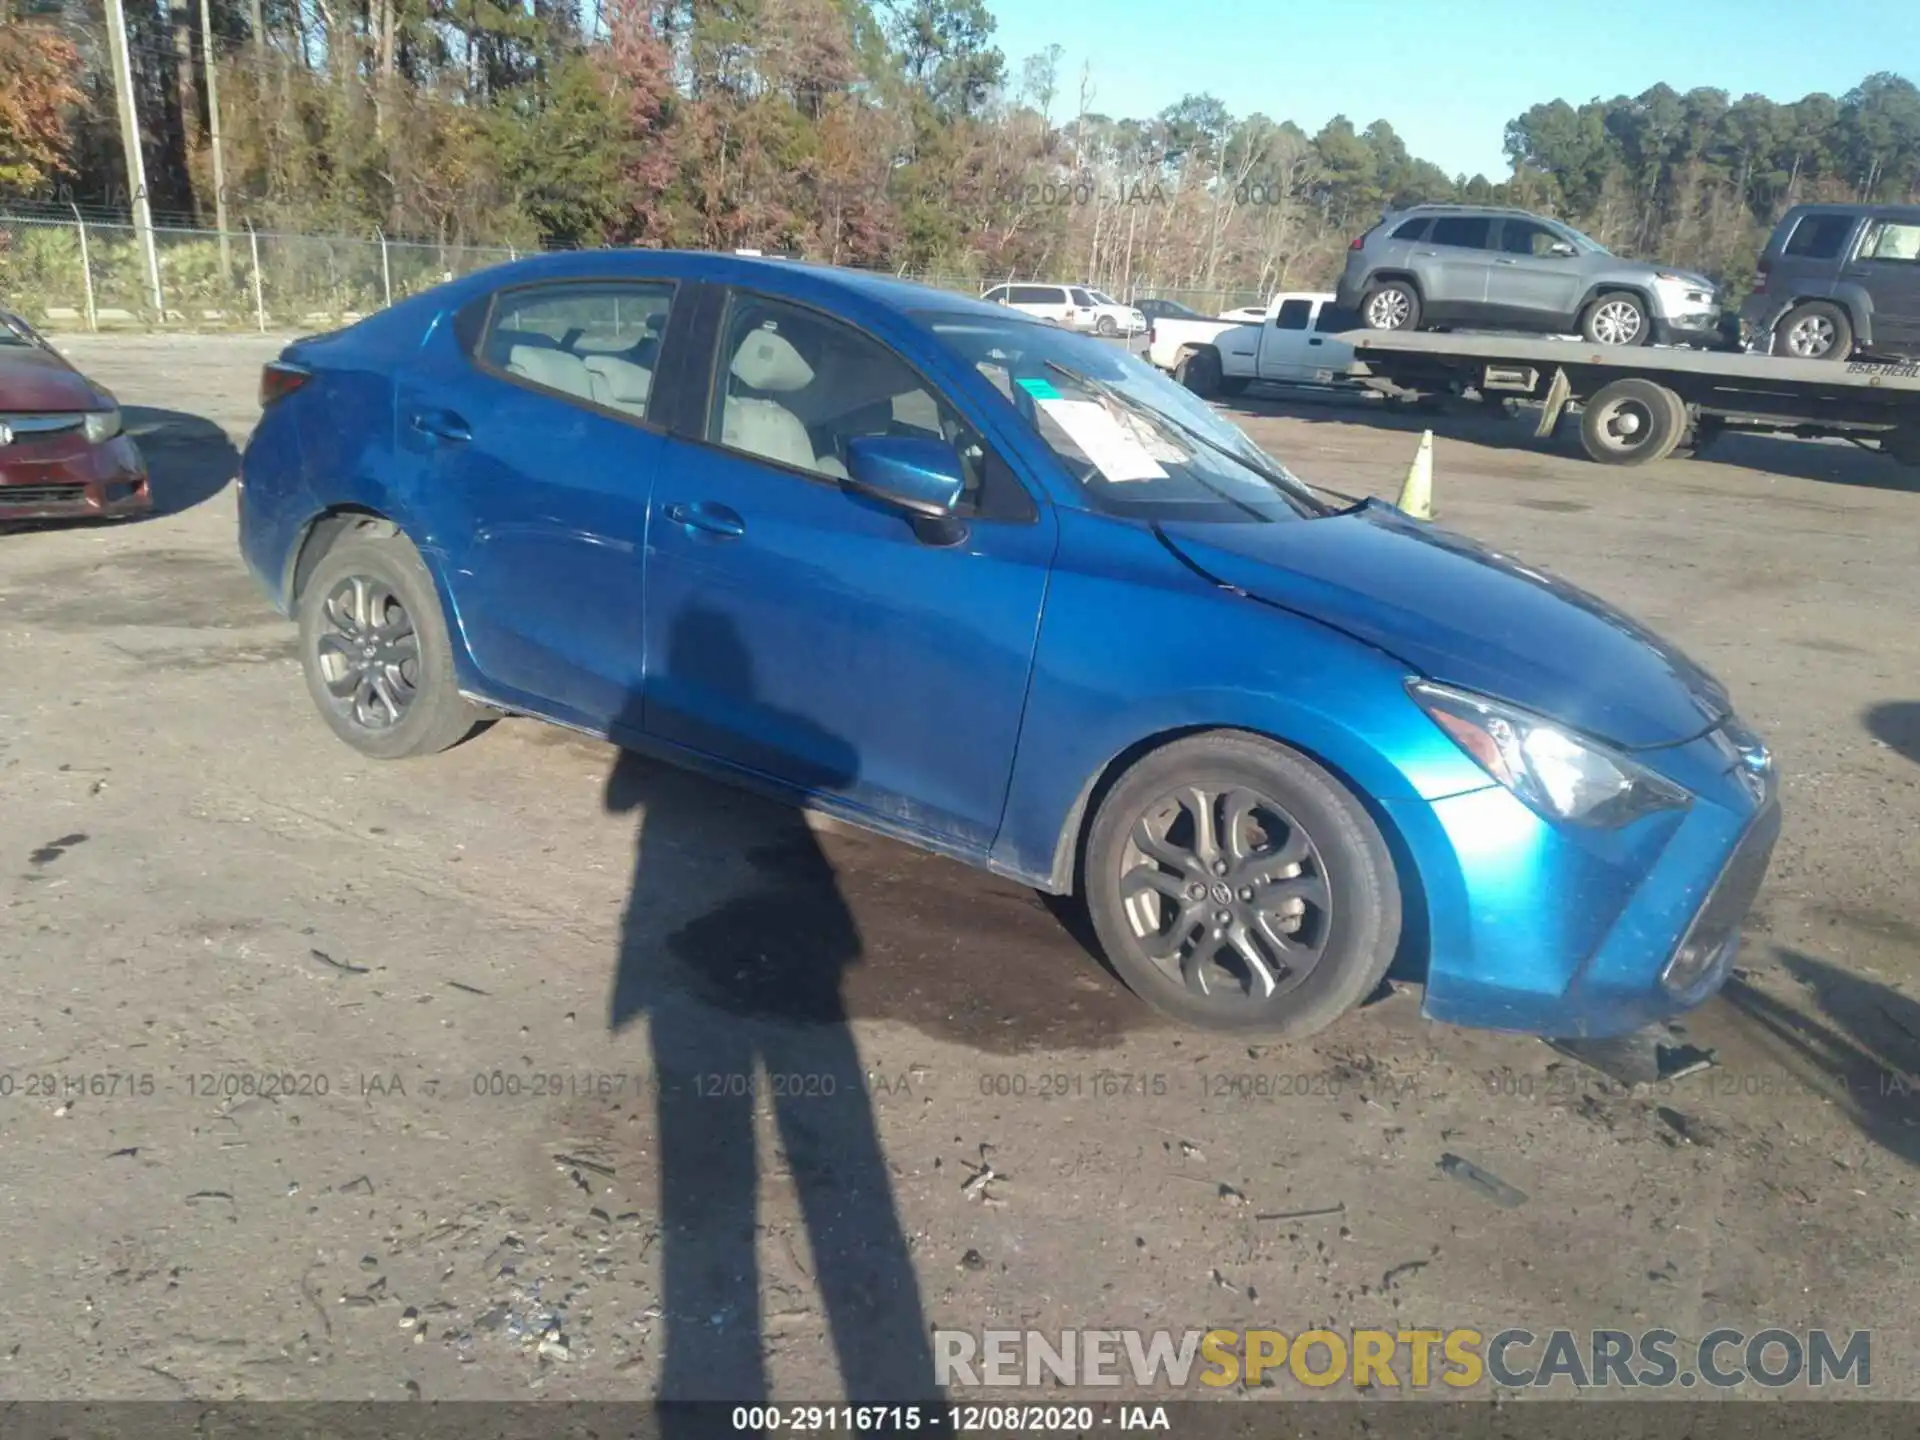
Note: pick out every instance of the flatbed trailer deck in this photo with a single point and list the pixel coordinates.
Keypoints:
(1641, 404)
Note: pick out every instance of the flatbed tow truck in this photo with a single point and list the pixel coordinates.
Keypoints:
(1639, 405)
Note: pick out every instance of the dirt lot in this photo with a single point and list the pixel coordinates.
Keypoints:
(473, 977)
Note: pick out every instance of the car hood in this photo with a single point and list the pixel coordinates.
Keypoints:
(1462, 614)
(1691, 277)
(31, 379)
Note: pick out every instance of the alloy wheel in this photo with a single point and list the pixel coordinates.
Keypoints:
(1811, 337)
(1225, 893)
(1617, 322)
(1388, 310)
(368, 653)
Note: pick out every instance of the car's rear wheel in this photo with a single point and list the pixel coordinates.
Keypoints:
(1391, 305)
(1617, 319)
(1817, 330)
(374, 645)
(1199, 371)
(1235, 885)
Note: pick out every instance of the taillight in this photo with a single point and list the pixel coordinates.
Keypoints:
(279, 379)
(1760, 276)
(1357, 242)
(1153, 337)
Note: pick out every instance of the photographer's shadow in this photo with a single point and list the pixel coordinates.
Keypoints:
(743, 1001)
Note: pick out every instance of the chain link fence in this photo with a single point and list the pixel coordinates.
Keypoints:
(90, 275)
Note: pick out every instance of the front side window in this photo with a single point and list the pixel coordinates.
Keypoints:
(995, 295)
(795, 386)
(1082, 299)
(1137, 443)
(1524, 237)
(598, 342)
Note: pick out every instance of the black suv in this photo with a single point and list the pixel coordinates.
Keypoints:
(1836, 280)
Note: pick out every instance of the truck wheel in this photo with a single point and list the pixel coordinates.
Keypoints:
(1233, 384)
(1817, 330)
(1617, 319)
(1199, 371)
(1632, 422)
(1391, 305)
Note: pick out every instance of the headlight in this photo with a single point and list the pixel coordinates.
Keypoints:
(1562, 775)
(102, 426)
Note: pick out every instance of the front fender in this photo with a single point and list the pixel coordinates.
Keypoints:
(1135, 649)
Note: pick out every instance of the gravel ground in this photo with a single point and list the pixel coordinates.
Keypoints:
(509, 1078)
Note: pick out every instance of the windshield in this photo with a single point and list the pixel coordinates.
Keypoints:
(15, 331)
(1100, 297)
(1138, 444)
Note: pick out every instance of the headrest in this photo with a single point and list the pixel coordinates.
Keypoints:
(768, 361)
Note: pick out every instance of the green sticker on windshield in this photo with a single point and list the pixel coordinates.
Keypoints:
(1040, 389)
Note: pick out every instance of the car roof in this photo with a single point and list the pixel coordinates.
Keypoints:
(1872, 212)
(894, 294)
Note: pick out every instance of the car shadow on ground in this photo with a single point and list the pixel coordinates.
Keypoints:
(190, 459)
(1466, 421)
(1856, 1040)
(1896, 724)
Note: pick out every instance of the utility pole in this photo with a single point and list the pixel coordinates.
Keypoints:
(213, 122)
(130, 145)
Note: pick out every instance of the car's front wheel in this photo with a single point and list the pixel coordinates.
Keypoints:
(1236, 885)
(1617, 319)
(374, 645)
(1107, 325)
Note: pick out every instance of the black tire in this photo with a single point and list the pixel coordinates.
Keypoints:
(1234, 384)
(1346, 938)
(1199, 371)
(1632, 422)
(1816, 330)
(1106, 325)
(1617, 318)
(432, 714)
(1706, 431)
(1390, 305)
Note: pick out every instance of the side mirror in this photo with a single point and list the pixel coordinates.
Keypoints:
(1561, 247)
(921, 477)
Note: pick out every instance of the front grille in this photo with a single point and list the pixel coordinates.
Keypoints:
(11, 495)
(1717, 925)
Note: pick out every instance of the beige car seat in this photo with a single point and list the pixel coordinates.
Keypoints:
(767, 362)
(555, 369)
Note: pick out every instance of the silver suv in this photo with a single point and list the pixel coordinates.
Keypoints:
(1437, 266)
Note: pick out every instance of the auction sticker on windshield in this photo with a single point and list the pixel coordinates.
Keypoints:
(1113, 449)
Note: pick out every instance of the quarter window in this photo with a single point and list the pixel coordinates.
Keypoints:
(594, 342)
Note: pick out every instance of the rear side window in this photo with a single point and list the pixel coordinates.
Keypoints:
(1819, 237)
(1468, 232)
(1412, 230)
(598, 342)
(1293, 315)
(1891, 240)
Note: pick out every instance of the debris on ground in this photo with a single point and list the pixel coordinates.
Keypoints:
(973, 1260)
(1687, 1131)
(976, 1185)
(1642, 1057)
(1339, 1209)
(1485, 1181)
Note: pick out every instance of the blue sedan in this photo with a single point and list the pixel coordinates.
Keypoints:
(1005, 592)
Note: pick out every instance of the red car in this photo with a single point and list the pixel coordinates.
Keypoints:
(63, 454)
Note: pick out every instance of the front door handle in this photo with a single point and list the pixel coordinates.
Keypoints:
(713, 519)
(442, 425)
(1316, 340)
(1506, 262)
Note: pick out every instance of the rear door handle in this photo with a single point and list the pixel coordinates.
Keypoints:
(442, 425)
(713, 519)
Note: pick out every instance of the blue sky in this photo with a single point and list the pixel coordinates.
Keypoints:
(1449, 74)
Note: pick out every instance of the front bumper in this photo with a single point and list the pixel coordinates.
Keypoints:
(70, 479)
(1551, 930)
(1703, 327)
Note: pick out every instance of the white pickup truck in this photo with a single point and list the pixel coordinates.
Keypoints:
(1296, 344)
